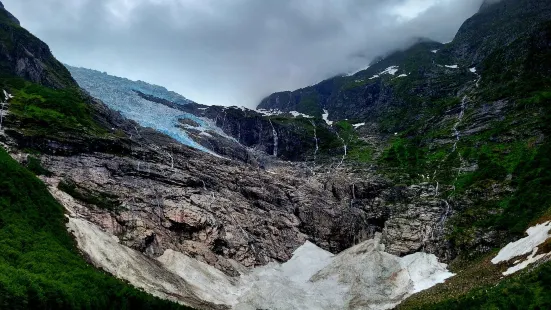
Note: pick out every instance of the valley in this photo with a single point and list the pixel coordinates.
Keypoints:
(420, 182)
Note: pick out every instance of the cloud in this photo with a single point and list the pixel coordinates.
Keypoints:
(234, 52)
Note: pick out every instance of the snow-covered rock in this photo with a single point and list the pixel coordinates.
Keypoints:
(295, 114)
(362, 277)
(270, 112)
(325, 117)
(390, 70)
(536, 235)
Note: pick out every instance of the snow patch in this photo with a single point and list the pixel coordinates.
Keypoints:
(390, 70)
(295, 114)
(358, 125)
(363, 276)
(325, 117)
(242, 108)
(434, 51)
(473, 69)
(357, 71)
(402, 75)
(452, 66)
(270, 112)
(536, 235)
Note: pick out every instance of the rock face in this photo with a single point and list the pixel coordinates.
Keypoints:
(27, 57)
(362, 277)
(399, 88)
(220, 211)
(9, 15)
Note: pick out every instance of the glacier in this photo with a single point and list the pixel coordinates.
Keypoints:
(121, 95)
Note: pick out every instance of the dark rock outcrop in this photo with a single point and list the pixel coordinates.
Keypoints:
(29, 58)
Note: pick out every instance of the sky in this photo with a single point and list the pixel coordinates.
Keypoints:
(234, 52)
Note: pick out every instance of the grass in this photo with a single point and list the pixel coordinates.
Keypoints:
(44, 112)
(480, 288)
(40, 267)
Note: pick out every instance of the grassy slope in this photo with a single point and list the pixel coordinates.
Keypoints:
(511, 146)
(49, 113)
(40, 267)
(527, 290)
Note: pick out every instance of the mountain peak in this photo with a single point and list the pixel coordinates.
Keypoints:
(9, 15)
(487, 3)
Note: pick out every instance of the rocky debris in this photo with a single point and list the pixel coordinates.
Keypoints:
(188, 122)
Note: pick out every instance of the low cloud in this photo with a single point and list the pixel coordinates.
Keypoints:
(234, 52)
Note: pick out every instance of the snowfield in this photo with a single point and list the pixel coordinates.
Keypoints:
(537, 235)
(362, 277)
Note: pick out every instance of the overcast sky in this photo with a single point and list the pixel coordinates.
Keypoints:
(234, 52)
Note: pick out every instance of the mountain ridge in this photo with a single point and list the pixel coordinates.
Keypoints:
(450, 158)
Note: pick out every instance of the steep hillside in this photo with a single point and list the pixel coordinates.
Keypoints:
(353, 193)
(40, 266)
(466, 115)
(23, 55)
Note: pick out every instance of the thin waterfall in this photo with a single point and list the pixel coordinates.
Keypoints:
(274, 132)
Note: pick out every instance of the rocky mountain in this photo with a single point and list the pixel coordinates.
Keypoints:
(353, 193)
(235, 132)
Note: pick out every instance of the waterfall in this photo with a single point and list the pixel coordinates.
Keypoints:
(456, 132)
(345, 147)
(316, 140)
(274, 132)
(446, 214)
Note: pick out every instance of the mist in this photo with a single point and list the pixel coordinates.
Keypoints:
(234, 52)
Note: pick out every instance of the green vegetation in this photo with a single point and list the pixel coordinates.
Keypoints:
(40, 268)
(309, 105)
(18, 41)
(358, 150)
(44, 112)
(100, 200)
(34, 165)
(529, 290)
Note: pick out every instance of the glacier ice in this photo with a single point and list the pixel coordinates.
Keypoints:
(121, 95)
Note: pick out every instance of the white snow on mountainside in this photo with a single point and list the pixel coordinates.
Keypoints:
(121, 95)
(362, 277)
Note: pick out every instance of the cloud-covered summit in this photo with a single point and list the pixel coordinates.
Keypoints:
(234, 52)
